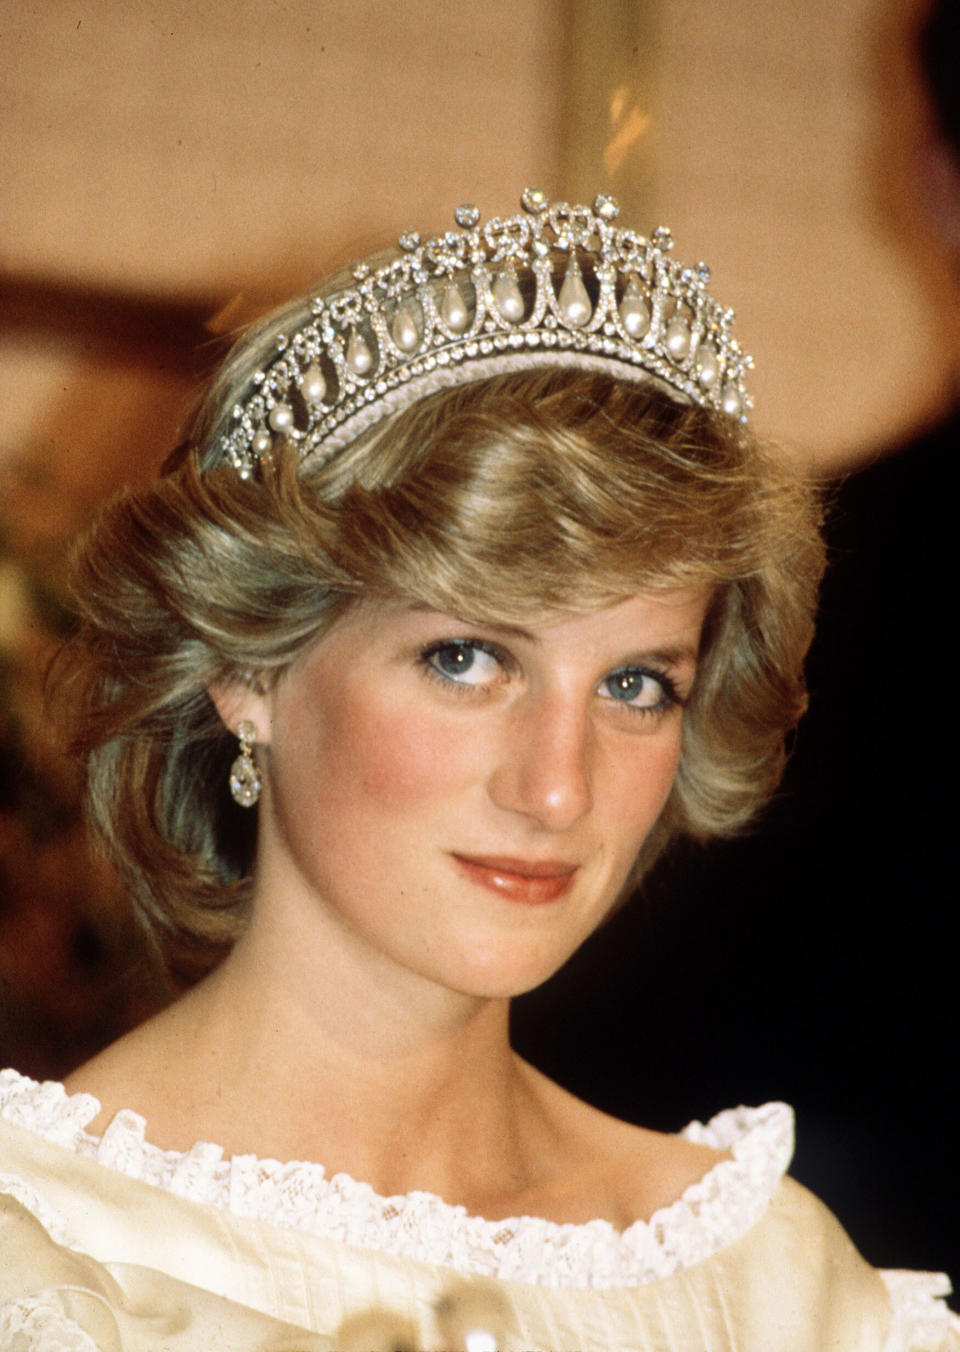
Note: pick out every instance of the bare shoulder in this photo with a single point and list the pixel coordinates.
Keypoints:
(615, 1170)
(135, 1072)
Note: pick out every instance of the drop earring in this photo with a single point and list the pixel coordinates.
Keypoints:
(244, 775)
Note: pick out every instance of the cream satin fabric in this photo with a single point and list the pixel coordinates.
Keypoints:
(141, 1270)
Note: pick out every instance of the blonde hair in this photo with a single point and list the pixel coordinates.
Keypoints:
(545, 491)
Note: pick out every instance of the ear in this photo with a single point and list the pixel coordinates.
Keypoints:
(243, 697)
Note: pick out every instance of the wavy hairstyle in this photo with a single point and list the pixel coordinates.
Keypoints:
(546, 492)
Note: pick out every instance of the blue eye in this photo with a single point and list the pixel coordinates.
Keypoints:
(464, 662)
(639, 689)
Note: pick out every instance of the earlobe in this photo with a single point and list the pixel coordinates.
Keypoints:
(243, 699)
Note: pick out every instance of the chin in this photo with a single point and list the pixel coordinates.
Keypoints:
(502, 977)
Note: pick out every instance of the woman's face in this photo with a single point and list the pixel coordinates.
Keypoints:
(467, 800)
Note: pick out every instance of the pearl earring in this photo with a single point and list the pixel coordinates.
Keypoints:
(244, 776)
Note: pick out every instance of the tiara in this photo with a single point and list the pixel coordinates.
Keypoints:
(554, 285)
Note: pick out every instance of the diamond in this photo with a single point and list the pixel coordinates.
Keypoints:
(409, 241)
(467, 215)
(534, 200)
(606, 207)
(244, 781)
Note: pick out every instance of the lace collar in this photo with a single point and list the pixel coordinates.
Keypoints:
(711, 1214)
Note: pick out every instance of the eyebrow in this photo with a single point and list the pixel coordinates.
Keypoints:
(496, 626)
(672, 655)
(679, 655)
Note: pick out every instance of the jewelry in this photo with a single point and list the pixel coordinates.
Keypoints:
(245, 782)
(555, 285)
(473, 1313)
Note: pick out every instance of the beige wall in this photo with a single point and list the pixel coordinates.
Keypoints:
(198, 146)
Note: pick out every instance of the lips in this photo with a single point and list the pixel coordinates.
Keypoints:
(529, 882)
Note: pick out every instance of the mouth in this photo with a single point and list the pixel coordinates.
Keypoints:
(529, 882)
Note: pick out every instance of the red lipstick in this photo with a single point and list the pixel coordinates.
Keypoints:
(522, 880)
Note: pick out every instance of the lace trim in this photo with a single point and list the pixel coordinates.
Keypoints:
(920, 1320)
(37, 1324)
(711, 1214)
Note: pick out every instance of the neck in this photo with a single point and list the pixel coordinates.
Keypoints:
(396, 1080)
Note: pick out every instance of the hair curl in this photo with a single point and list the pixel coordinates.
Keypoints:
(547, 492)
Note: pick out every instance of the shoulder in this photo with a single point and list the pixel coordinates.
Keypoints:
(802, 1252)
(626, 1174)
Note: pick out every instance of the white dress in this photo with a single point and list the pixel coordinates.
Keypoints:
(108, 1244)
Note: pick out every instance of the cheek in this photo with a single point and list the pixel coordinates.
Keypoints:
(401, 762)
(643, 785)
(366, 758)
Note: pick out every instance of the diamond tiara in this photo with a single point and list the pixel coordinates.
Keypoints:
(555, 285)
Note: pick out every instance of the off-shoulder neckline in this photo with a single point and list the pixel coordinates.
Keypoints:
(711, 1213)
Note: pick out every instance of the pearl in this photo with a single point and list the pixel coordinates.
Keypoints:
(404, 331)
(708, 367)
(730, 400)
(262, 443)
(453, 308)
(506, 292)
(677, 338)
(574, 299)
(634, 310)
(281, 418)
(313, 387)
(359, 356)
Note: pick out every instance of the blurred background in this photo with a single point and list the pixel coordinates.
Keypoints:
(169, 170)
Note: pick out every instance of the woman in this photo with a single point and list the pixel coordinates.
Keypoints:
(472, 580)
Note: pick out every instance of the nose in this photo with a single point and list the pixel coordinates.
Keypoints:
(544, 770)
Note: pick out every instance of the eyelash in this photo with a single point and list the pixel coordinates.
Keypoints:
(463, 688)
(670, 696)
